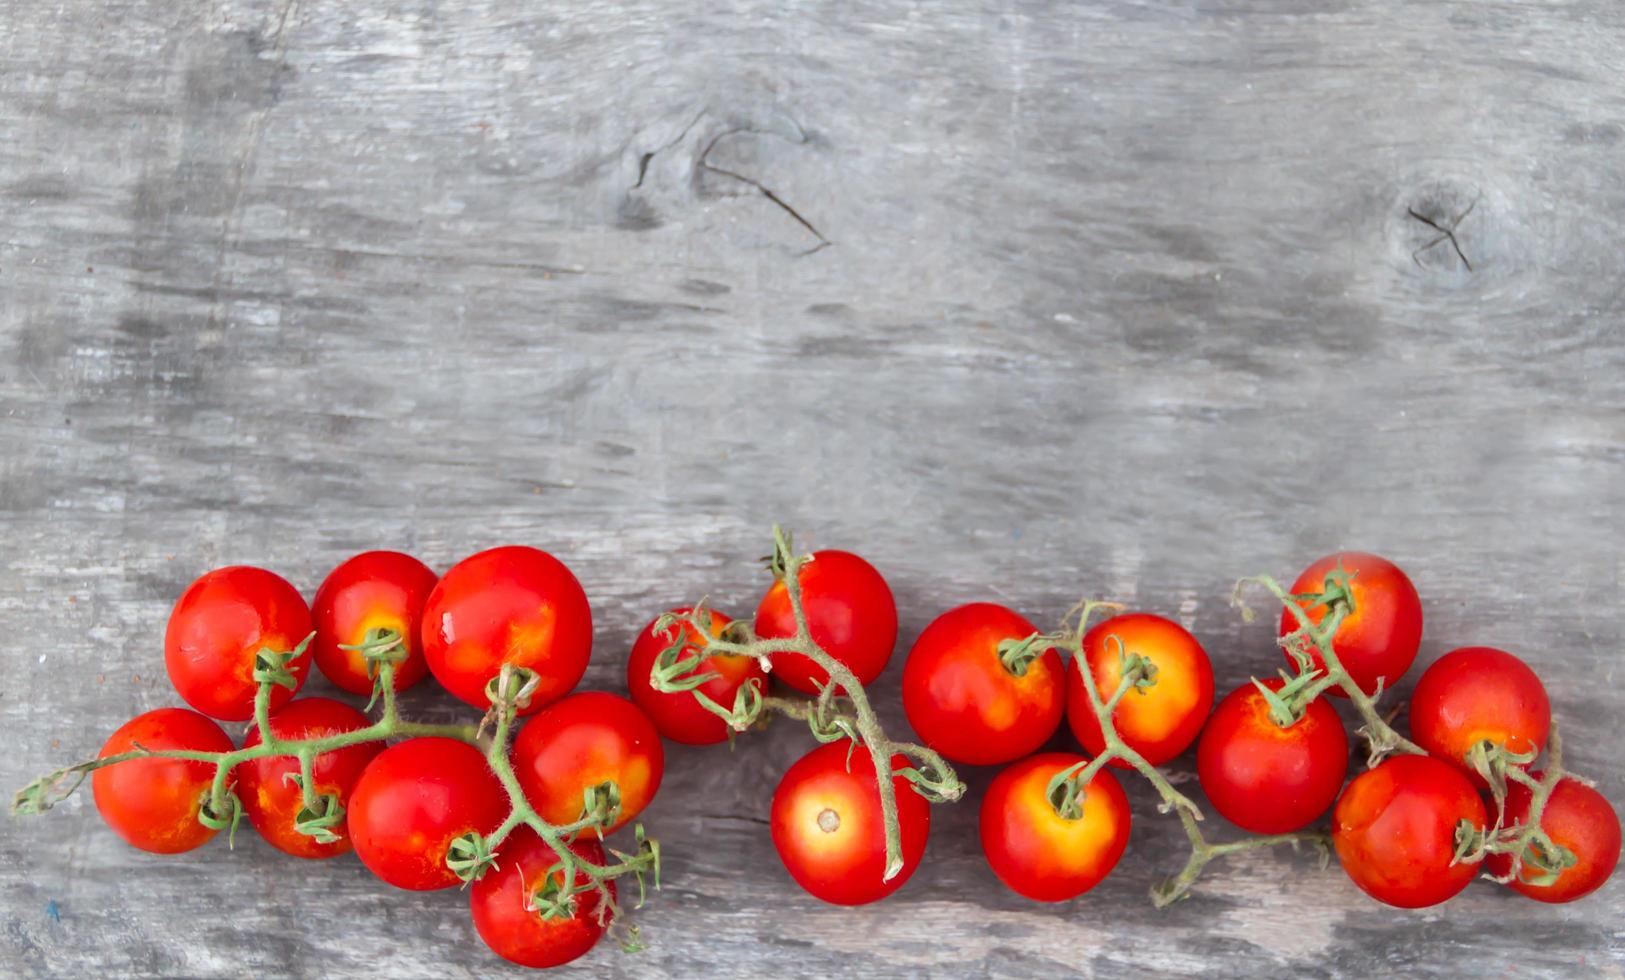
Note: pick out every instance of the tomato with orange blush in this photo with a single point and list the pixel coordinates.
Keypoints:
(970, 703)
(1578, 819)
(1267, 778)
(1036, 851)
(1479, 694)
(510, 605)
(1395, 830)
(582, 741)
(1380, 636)
(850, 613)
(153, 803)
(828, 830)
(374, 594)
(504, 903)
(1160, 721)
(215, 633)
(273, 801)
(677, 714)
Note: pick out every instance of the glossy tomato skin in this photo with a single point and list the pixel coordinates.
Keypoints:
(1160, 722)
(153, 803)
(678, 715)
(1381, 637)
(963, 701)
(272, 802)
(1475, 694)
(827, 827)
(1264, 778)
(498, 902)
(1038, 853)
(218, 626)
(581, 741)
(1576, 817)
(1394, 829)
(383, 590)
(850, 611)
(413, 799)
(515, 605)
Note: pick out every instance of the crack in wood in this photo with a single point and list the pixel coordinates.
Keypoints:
(1446, 233)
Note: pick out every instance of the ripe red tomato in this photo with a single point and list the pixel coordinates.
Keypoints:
(375, 590)
(827, 825)
(965, 703)
(1576, 817)
(584, 740)
(413, 800)
(1476, 694)
(1265, 778)
(153, 803)
(1039, 853)
(677, 715)
(513, 605)
(1394, 830)
(220, 622)
(1381, 636)
(1160, 722)
(850, 612)
(503, 903)
(272, 801)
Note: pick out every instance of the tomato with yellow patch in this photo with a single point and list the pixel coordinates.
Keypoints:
(1159, 721)
(1036, 851)
(272, 800)
(582, 741)
(373, 594)
(677, 714)
(154, 803)
(503, 903)
(963, 698)
(1479, 694)
(1379, 637)
(215, 633)
(510, 605)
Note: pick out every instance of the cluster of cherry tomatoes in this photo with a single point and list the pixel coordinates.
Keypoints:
(981, 686)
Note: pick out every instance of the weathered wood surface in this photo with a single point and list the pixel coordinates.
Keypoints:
(1117, 298)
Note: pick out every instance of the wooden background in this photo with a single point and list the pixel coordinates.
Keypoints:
(1023, 301)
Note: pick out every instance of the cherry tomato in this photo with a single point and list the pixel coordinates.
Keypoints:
(1039, 853)
(1394, 829)
(1381, 636)
(513, 605)
(1265, 778)
(272, 801)
(827, 825)
(503, 903)
(153, 803)
(413, 800)
(1159, 722)
(584, 740)
(850, 612)
(965, 703)
(218, 626)
(678, 715)
(1479, 694)
(375, 590)
(1576, 817)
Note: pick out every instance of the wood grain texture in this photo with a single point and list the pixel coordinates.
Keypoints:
(1117, 298)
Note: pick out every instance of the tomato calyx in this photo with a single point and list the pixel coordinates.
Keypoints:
(271, 666)
(381, 645)
(677, 668)
(1291, 702)
(1016, 655)
(1527, 843)
(218, 815)
(1494, 762)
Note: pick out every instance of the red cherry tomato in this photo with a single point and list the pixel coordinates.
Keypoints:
(584, 740)
(1381, 636)
(413, 800)
(850, 612)
(153, 803)
(1394, 829)
(220, 623)
(827, 825)
(965, 703)
(1576, 817)
(272, 801)
(375, 590)
(513, 605)
(1265, 778)
(1479, 694)
(1039, 853)
(1159, 722)
(503, 903)
(678, 715)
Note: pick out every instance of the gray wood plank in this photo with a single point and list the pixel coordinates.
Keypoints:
(1114, 298)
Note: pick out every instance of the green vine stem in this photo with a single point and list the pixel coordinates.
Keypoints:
(471, 855)
(841, 709)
